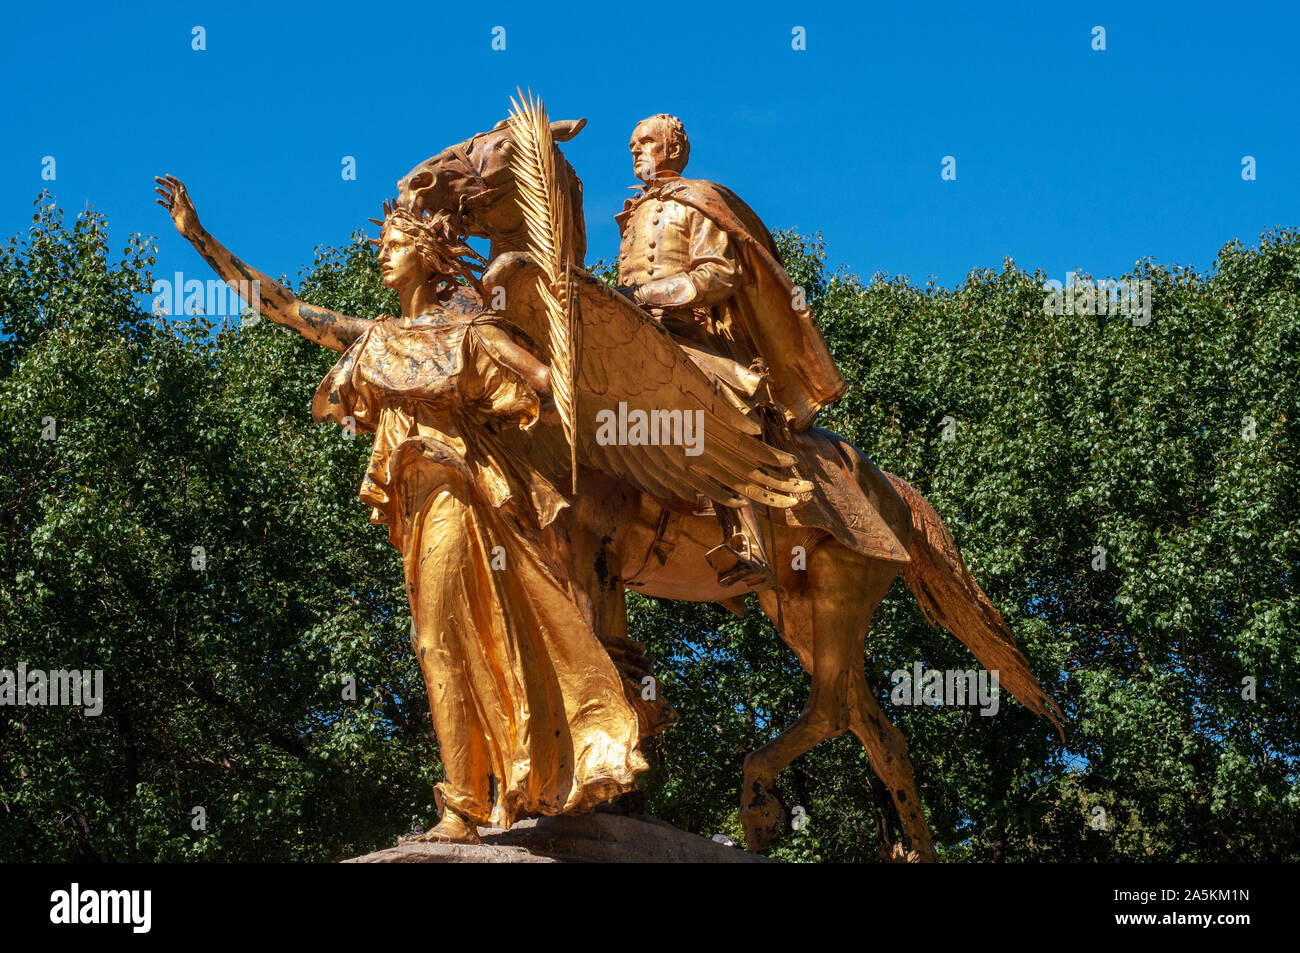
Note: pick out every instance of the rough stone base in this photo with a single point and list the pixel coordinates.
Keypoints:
(586, 838)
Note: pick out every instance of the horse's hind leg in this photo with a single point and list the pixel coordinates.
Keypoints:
(887, 752)
(826, 624)
(823, 625)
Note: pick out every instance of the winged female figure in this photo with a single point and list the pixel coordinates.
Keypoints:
(531, 715)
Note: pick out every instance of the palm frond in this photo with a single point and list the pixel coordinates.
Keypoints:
(546, 217)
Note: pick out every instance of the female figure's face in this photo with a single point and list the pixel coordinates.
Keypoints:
(399, 263)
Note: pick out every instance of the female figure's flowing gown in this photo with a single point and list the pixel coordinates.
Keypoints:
(530, 712)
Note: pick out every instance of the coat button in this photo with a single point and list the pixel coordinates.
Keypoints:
(652, 244)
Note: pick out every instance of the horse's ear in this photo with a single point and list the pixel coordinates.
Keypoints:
(562, 130)
(410, 187)
(501, 125)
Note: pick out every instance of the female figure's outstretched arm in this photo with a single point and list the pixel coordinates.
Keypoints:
(319, 325)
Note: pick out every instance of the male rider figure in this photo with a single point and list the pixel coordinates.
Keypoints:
(699, 260)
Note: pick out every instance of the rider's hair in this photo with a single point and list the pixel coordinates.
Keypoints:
(440, 248)
(676, 134)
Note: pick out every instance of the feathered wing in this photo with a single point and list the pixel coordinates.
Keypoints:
(628, 359)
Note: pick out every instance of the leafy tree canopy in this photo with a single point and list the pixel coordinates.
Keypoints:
(170, 514)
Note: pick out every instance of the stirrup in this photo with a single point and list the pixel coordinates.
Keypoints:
(735, 561)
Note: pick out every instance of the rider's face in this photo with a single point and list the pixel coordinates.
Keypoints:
(650, 150)
(399, 262)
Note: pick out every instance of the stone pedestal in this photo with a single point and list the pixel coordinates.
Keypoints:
(603, 838)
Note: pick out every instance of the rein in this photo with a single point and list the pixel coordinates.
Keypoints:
(487, 197)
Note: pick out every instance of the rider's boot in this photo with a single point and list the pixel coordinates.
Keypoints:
(741, 558)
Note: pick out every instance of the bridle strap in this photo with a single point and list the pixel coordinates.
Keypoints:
(486, 198)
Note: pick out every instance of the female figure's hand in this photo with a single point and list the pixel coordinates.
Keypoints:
(176, 200)
(319, 325)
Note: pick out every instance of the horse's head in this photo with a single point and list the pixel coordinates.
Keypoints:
(473, 181)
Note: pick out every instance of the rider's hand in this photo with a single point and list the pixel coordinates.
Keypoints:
(176, 200)
(675, 291)
(632, 294)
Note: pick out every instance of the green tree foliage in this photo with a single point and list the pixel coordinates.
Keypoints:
(224, 684)
(1171, 445)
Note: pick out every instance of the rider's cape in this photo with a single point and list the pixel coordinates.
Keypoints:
(802, 376)
(628, 365)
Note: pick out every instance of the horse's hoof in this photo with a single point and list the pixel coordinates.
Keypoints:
(762, 815)
(896, 853)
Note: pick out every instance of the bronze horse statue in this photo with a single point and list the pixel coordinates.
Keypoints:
(629, 529)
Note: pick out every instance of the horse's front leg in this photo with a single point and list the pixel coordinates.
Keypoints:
(603, 512)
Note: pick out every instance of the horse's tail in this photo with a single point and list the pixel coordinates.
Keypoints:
(951, 598)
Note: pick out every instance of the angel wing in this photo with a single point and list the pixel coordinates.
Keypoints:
(645, 411)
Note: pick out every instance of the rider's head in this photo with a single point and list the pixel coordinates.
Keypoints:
(416, 247)
(659, 145)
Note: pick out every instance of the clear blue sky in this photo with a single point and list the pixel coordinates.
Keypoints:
(1066, 157)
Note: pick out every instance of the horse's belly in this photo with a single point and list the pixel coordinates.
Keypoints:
(664, 556)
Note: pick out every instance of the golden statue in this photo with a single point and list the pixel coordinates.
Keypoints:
(537, 458)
